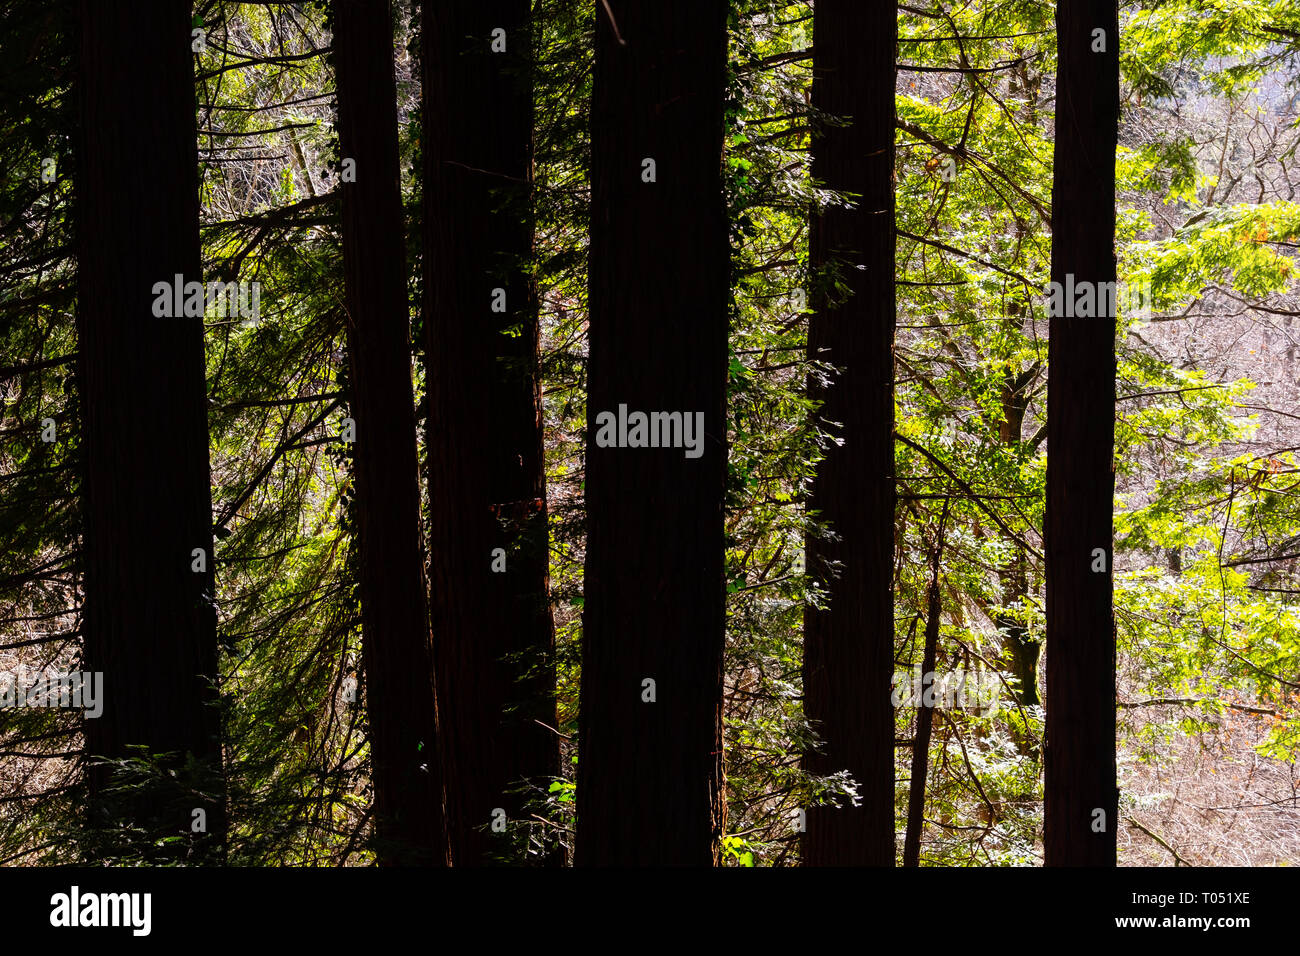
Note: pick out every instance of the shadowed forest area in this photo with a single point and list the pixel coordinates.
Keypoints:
(612, 433)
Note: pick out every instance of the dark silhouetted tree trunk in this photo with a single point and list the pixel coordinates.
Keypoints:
(149, 620)
(1014, 578)
(398, 654)
(489, 587)
(1079, 756)
(849, 645)
(650, 779)
(924, 709)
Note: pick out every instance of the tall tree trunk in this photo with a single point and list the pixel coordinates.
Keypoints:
(1014, 578)
(493, 633)
(1079, 758)
(924, 709)
(398, 653)
(650, 779)
(149, 619)
(849, 645)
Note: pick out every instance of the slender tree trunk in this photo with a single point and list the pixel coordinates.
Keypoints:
(924, 710)
(1015, 578)
(149, 619)
(849, 645)
(1079, 760)
(493, 633)
(650, 779)
(398, 653)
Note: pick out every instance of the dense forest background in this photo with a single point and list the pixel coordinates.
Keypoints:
(363, 582)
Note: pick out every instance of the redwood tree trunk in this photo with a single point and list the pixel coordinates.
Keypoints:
(148, 617)
(924, 710)
(1079, 758)
(493, 634)
(398, 654)
(849, 645)
(650, 780)
(1014, 578)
